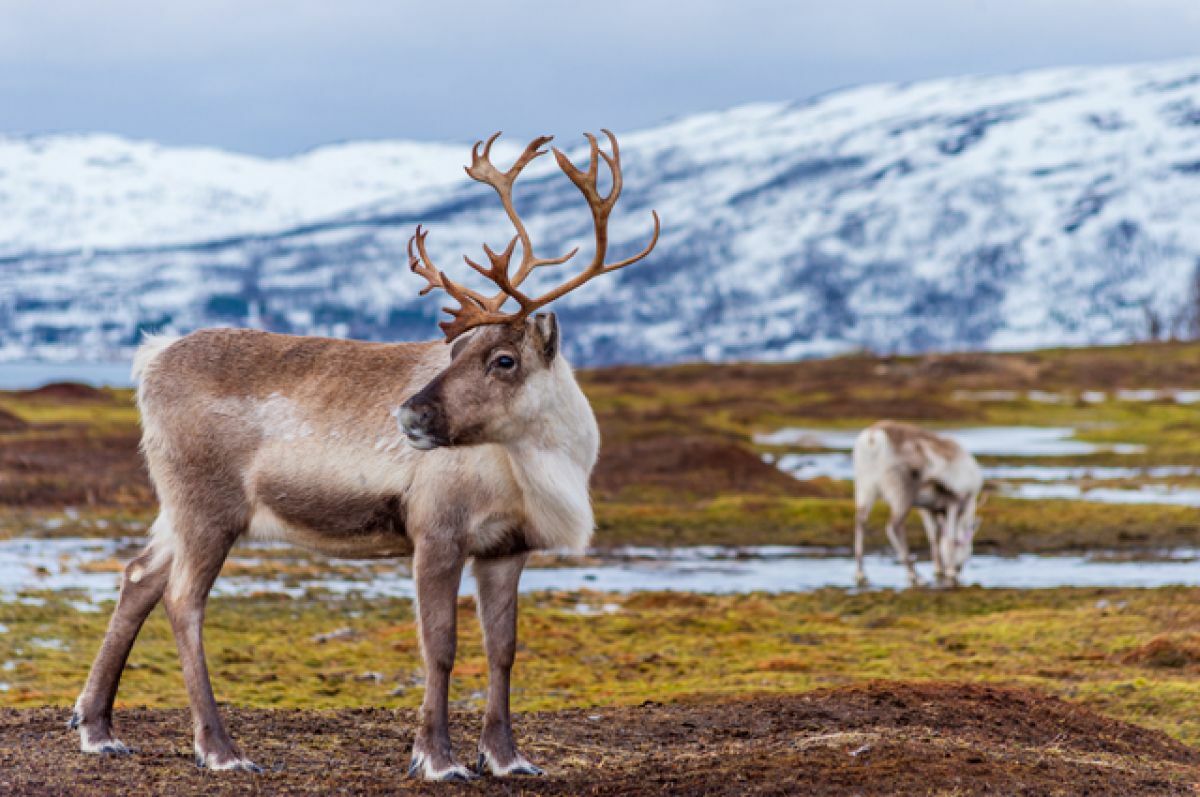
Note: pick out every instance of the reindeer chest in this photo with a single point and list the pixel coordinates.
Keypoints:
(523, 500)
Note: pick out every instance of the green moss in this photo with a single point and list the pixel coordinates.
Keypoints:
(663, 646)
(113, 413)
(1008, 525)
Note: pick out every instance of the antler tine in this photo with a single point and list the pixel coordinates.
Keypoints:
(421, 265)
(497, 272)
(470, 313)
(484, 171)
(474, 308)
(629, 261)
(596, 268)
(593, 157)
(614, 166)
(588, 182)
(487, 148)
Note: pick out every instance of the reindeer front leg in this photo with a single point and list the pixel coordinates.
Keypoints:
(437, 566)
(899, 539)
(950, 541)
(497, 579)
(933, 531)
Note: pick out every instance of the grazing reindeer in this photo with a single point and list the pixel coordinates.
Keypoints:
(302, 439)
(910, 467)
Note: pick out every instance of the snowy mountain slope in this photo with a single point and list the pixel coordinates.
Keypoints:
(100, 191)
(1051, 207)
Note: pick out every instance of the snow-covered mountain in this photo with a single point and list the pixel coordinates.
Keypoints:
(1049, 207)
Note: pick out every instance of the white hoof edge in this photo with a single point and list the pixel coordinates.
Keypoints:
(92, 746)
(422, 766)
(518, 766)
(211, 761)
(102, 746)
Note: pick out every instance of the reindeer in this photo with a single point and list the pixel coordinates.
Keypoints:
(910, 467)
(478, 447)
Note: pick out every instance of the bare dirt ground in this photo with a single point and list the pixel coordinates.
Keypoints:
(876, 739)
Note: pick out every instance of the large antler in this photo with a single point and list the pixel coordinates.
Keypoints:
(476, 309)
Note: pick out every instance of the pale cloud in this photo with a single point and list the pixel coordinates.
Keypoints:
(275, 76)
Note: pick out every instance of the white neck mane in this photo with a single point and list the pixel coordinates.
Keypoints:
(553, 465)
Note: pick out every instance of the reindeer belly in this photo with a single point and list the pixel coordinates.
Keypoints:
(331, 521)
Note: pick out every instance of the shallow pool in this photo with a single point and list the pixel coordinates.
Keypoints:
(1000, 441)
(31, 565)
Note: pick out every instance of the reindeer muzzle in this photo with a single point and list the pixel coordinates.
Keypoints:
(423, 423)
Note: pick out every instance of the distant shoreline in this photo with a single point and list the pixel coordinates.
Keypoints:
(30, 375)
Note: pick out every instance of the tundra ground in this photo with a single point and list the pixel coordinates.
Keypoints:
(1064, 691)
(877, 739)
(678, 463)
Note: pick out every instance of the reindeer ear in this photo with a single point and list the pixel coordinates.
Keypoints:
(546, 325)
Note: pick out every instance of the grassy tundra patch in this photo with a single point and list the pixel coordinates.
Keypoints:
(1132, 654)
(678, 463)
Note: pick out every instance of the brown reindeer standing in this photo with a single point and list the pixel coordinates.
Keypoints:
(478, 450)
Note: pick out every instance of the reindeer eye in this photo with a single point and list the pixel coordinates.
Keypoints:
(504, 362)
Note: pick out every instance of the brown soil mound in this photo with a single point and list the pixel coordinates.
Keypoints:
(10, 422)
(71, 392)
(876, 739)
(701, 465)
(1166, 652)
(73, 469)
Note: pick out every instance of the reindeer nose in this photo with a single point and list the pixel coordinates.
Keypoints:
(420, 422)
(415, 418)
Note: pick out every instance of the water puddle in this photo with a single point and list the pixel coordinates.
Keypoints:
(839, 466)
(1135, 395)
(1000, 441)
(1144, 494)
(1042, 473)
(67, 565)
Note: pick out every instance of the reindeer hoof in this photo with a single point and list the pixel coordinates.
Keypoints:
(109, 747)
(238, 765)
(106, 745)
(115, 747)
(518, 766)
(861, 581)
(422, 767)
(234, 763)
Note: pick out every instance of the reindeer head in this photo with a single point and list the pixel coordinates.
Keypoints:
(495, 390)
(507, 375)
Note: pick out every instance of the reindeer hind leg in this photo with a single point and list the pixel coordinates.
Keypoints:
(201, 550)
(142, 585)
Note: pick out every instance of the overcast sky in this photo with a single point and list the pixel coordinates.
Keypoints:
(279, 76)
